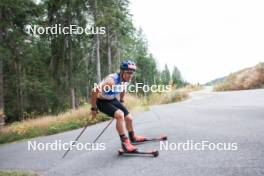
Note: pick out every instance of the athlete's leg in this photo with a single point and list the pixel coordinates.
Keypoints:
(119, 116)
(109, 107)
(129, 122)
(130, 129)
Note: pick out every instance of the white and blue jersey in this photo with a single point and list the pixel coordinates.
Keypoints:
(115, 90)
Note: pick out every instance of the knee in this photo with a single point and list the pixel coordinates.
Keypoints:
(119, 115)
(129, 118)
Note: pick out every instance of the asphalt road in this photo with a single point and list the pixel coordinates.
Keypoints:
(226, 117)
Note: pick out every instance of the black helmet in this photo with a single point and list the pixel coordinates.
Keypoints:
(128, 65)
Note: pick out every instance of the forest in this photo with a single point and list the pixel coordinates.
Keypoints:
(46, 73)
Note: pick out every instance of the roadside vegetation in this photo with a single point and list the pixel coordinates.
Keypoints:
(73, 119)
(174, 95)
(17, 173)
(47, 125)
(248, 78)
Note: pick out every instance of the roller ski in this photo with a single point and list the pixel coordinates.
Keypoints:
(153, 153)
(129, 149)
(142, 139)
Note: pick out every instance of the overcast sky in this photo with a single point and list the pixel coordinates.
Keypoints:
(205, 39)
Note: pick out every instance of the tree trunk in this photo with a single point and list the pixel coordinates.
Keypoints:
(71, 81)
(19, 93)
(69, 59)
(73, 100)
(145, 94)
(98, 63)
(2, 114)
(109, 59)
(97, 45)
(69, 71)
(118, 52)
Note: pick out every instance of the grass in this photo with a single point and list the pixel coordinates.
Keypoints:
(48, 125)
(73, 119)
(17, 173)
(136, 103)
(174, 95)
(248, 78)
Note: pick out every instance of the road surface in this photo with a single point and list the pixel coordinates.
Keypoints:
(222, 117)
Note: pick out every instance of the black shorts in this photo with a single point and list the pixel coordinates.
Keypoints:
(109, 107)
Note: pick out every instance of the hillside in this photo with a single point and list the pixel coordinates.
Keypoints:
(248, 78)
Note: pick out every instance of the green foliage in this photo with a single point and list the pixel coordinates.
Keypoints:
(165, 76)
(40, 71)
(176, 77)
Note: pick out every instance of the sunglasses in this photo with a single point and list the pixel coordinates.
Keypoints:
(130, 72)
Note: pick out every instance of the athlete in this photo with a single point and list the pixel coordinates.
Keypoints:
(105, 98)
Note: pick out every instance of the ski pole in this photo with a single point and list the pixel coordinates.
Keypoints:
(82, 133)
(103, 130)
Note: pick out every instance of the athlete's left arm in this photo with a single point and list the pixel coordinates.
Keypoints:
(124, 90)
(122, 95)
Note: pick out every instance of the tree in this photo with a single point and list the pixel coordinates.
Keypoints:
(165, 75)
(176, 77)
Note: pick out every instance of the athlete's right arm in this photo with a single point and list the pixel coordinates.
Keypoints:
(109, 81)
